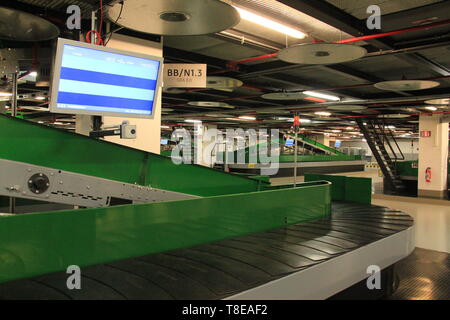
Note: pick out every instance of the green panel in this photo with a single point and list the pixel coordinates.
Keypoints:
(358, 190)
(319, 158)
(344, 188)
(407, 168)
(41, 243)
(338, 184)
(410, 168)
(321, 146)
(41, 145)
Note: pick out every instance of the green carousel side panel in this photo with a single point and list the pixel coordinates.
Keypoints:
(40, 243)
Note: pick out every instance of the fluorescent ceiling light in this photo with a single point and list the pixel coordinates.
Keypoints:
(270, 24)
(247, 118)
(431, 108)
(33, 74)
(40, 98)
(322, 113)
(192, 121)
(5, 94)
(292, 119)
(322, 95)
(165, 127)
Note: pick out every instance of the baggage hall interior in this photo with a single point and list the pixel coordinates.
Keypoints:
(237, 150)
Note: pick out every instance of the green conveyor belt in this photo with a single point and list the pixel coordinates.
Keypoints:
(232, 205)
(37, 144)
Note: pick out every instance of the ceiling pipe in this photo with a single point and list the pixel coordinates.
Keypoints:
(393, 33)
(233, 65)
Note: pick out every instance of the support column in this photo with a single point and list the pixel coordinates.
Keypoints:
(433, 156)
(206, 140)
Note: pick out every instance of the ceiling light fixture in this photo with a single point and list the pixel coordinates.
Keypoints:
(270, 24)
(322, 113)
(247, 118)
(33, 74)
(5, 94)
(322, 95)
(431, 108)
(192, 121)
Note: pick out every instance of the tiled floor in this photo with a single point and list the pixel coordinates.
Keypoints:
(431, 221)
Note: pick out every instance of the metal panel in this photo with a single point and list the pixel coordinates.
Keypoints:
(22, 180)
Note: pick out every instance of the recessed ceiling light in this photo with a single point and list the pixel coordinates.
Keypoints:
(40, 98)
(192, 121)
(431, 108)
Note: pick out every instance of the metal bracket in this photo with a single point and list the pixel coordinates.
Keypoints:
(22, 180)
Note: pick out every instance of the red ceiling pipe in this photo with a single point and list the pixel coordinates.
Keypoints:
(267, 56)
(232, 65)
(393, 33)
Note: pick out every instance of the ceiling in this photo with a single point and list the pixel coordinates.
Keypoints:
(420, 54)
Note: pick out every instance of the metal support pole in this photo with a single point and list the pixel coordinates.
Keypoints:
(14, 95)
(295, 159)
(296, 153)
(12, 200)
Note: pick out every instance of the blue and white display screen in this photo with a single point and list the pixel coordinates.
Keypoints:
(101, 82)
(290, 142)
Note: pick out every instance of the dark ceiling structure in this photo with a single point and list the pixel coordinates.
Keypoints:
(416, 47)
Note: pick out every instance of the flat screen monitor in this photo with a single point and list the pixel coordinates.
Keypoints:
(164, 142)
(289, 142)
(337, 144)
(94, 80)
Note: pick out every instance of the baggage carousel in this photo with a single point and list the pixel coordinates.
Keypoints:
(308, 260)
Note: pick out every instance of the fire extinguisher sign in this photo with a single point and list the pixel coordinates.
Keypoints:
(428, 174)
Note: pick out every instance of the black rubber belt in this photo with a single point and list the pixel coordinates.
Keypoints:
(223, 268)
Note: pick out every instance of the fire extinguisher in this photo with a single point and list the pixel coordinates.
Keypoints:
(428, 175)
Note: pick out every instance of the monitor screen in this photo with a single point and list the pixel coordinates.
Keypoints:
(337, 144)
(90, 79)
(289, 142)
(164, 141)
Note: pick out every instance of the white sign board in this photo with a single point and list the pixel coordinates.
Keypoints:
(184, 75)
